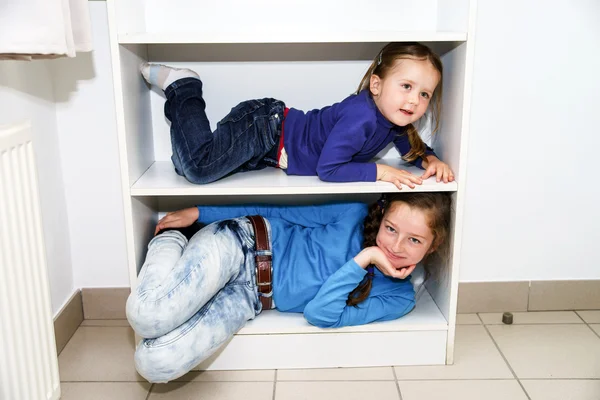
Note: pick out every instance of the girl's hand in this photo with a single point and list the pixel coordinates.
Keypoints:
(441, 170)
(397, 176)
(178, 219)
(374, 255)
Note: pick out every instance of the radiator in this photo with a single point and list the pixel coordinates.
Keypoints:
(28, 361)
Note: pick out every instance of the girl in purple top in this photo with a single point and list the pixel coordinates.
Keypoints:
(336, 142)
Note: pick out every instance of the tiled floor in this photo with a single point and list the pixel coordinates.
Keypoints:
(542, 356)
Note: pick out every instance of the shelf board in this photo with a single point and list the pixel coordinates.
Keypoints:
(338, 36)
(161, 180)
(425, 317)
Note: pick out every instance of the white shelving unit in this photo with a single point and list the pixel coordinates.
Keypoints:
(308, 59)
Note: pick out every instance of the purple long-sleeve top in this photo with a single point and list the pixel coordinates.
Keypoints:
(338, 142)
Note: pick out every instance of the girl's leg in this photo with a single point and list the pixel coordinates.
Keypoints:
(178, 277)
(176, 353)
(240, 142)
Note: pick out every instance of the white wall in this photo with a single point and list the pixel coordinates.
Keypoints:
(531, 210)
(26, 93)
(88, 144)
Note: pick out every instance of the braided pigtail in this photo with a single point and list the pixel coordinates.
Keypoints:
(371, 227)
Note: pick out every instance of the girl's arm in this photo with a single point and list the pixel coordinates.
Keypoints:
(329, 310)
(346, 139)
(308, 216)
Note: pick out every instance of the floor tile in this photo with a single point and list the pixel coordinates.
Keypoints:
(99, 354)
(336, 374)
(229, 376)
(462, 390)
(475, 357)
(336, 390)
(596, 328)
(105, 322)
(212, 391)
(549, 351)
(104, 390)
(591, 317)
(467, 319)
(562, 389)
(537, 317)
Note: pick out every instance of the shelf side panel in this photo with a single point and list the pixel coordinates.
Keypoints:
(448, 143)
(137, 112)
(144, 216)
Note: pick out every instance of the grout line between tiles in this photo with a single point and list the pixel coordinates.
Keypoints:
(536, 324)
(325, 380)
(580, 317)
(475, 379)
(246, 381)
(275, 384)
(506, 361)
(63, 381)
(480, 319)
(588, 324)
(397, 383)
(592, 329)
(149, 391)
(104, 326)
(560, 379)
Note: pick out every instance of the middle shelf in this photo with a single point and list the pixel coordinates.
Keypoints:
(161, 180)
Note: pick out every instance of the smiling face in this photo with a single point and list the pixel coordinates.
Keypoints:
(404, 235)
(404, 93)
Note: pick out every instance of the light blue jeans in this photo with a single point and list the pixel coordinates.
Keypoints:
(192, 297)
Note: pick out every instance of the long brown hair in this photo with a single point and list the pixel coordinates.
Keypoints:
(384, 62)
(436, 206)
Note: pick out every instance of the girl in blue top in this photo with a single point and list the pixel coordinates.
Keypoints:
(336, 142)
(196, 290)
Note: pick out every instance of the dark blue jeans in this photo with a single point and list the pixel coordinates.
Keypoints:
(246, 139)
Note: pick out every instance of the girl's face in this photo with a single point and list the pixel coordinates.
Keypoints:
(404, 94)
(404, 235)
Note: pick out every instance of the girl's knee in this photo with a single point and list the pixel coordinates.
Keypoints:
(160, 364)
(144, 324)
(133, 315)
(154, 366)
(200, 175)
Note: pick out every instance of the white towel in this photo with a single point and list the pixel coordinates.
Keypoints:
(31, 29)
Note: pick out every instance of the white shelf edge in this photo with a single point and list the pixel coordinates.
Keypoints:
(161, 180)
(289, 37)
(425, 317)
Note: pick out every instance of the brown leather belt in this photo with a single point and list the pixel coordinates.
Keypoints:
(264, 265)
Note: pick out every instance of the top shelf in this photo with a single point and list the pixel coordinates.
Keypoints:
(337, 36)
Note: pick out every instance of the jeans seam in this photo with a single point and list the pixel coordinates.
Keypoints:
(261, 104)
(175, 287)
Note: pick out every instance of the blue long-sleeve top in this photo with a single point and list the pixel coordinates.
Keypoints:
(313, 267)
(337, 142)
